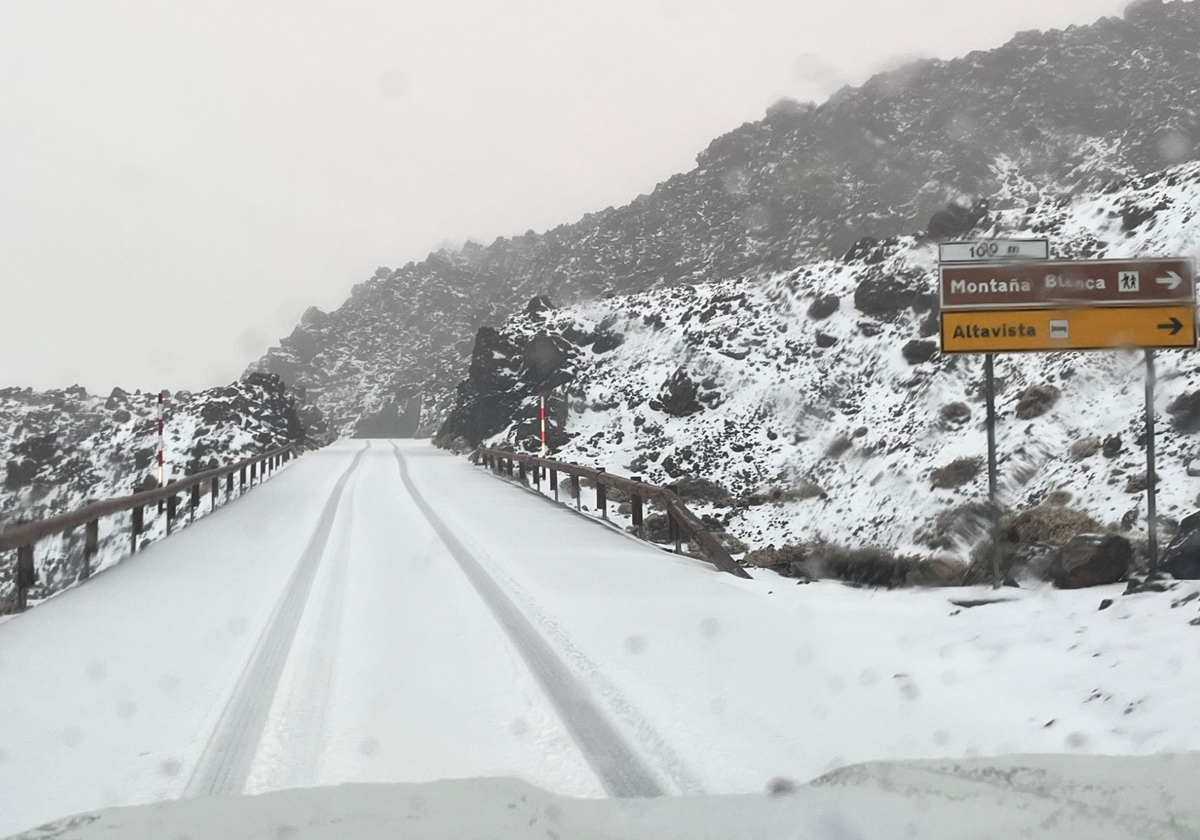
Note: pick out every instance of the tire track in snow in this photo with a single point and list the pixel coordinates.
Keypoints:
(227, 758)
(306, 710)
(620, 770)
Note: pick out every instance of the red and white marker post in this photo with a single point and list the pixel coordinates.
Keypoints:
(543, 424)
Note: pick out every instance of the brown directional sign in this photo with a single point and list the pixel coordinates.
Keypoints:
(1068, 283)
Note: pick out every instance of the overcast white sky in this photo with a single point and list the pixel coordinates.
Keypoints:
(180, 180)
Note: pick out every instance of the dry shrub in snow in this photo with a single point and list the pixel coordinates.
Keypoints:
(1049, 523)
(655, 528)
(875, 567)
(954, 526)
(1036, 400)
(1085, 448)
(839, 447)
(694, 489)
(954, 414)
(955, 474)
(781, 560)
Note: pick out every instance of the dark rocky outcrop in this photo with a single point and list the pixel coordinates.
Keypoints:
(505, 384)
(1182, 555)
(918, 351)
(956, 221)
(391, 421)
(809, 182)
(606, 340)
(823, 306)
(884, 297)
(1092, 560)
(678, 395)
(538, 305)
(1185, 412)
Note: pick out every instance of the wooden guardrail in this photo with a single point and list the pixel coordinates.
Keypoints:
(680, 520)
(24, 537)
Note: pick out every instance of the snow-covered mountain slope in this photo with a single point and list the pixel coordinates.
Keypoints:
(1046, 113)
(63, 448)
(818, 397)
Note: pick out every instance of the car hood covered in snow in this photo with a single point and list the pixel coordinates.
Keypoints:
(1027, 796)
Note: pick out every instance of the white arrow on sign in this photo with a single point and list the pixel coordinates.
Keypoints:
(1172, 281)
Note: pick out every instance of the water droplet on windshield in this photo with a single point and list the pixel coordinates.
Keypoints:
(1174, 146)
(780, 786)
(393, 84)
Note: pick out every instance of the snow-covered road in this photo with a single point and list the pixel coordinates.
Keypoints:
(382, 612)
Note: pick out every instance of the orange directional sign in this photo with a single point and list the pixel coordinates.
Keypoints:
(1096, 328)
(1067, 283)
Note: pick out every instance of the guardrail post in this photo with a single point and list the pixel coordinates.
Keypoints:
(576, 491)
(601, 496)
(172, 505)
(554, 483)
(91, 547)
(537, 478)
(26, 576)
(521, 470)
(253, 472)
(228, 486)
(510, 467)
(139, 521)
(212, 492)
(635, 504)
(195, 501)
(242, 482)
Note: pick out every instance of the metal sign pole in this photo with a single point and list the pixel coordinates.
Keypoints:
(162, 482)
(993, 507)
(1151, 478)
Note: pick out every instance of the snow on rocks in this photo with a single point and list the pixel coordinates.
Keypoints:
(61, 449)
(803, 391)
